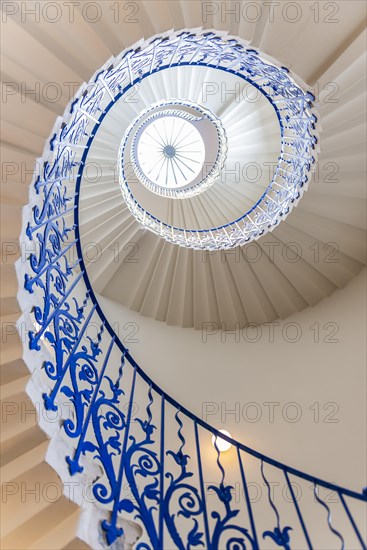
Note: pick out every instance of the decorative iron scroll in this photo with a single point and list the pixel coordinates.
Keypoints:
(152, 464)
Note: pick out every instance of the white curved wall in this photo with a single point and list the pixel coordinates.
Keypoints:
(209, 373)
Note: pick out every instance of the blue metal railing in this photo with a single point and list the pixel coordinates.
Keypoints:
(155, 467)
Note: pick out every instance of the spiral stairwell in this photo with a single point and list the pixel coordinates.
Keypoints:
(179, 285)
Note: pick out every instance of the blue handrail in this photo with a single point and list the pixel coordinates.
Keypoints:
(165, 474)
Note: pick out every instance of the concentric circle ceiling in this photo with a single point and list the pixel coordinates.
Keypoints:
(253, 130)
(177, 149)
(179, 168)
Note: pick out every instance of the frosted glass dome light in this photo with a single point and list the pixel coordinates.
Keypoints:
(170, 152)
(222, 444)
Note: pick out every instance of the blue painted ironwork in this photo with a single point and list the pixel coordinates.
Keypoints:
(68, 342)
(324, 505)
(190, 502)
(165, 479)
(351, 519)
(248, 502)
(222, 522)
(304, 529)
(280, 536)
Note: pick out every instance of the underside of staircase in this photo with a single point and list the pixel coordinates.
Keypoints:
(178, 286)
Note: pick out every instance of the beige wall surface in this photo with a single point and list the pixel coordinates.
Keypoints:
(296, 388)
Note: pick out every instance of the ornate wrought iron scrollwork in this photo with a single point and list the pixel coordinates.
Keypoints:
(279, 535)
(171, 498)
(189, 502)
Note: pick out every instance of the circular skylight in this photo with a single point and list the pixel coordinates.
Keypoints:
(170, 151)
(177, 149)
(294, 106)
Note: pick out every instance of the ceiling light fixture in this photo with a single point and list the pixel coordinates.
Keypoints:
(221, 444)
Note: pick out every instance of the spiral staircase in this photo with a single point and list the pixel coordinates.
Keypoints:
(49, 413)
